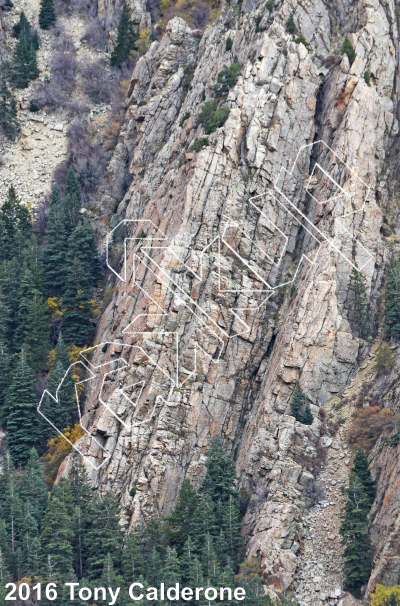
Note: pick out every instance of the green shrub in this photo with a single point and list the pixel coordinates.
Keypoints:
(199, 144)
(227, 79)
(211, 117)
(34, 107)
(292, 290)
(269, 5)
(348, 50)
(367, 78)
(302, 40)
(290, 25)
(185, 117)
(394, 439)
(141, 103)
(229, 43)
(258, 21)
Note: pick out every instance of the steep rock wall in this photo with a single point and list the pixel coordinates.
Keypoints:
(214, 210)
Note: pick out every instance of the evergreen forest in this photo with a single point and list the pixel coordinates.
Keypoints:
(72, 534)
(47, 312)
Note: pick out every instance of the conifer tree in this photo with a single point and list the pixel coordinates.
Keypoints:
(27, 289)
(14, 219)
(171, 571)
(72, 208)
(5, 555)
(227, 579)
(290, 25)
(22, 415)
(33, 487)
(358, 312)
(221, 548)
(297, 402)
(354, 531)
(110, 579)
(209, 560)
(64, 494)
(78, 527)
(204, 522)
(71, 183)
(9, 303)
(103, 535)
(392, 300)
(77, 323)
(126, 39)
(187, 560)
(37, 332)
(82, 245)
(47, 14)
(8, 111)
(361, 468)
(5, 376)
(80, 484)
(220, 477)
(30, 545)
(11, 510)
(56, 537)
(307, 416)
(197, 580)
(153, 570)
(232, 530)
(132, 560)
(24, 65)
(178, 523)
(54, 256)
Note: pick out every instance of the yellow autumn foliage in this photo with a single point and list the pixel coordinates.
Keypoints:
(381, 595)
(57, 449)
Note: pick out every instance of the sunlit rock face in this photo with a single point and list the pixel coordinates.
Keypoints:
(235, 279)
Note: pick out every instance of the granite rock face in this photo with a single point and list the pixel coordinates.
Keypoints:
(235, 279)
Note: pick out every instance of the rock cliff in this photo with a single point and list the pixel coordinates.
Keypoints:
(234, 282)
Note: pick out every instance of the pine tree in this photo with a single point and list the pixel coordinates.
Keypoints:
(47, 14)
(132, 560)
(307, 416)
(220, 477)
(14, 219)
(22, 415)
(78, 527)
(82, 245)
(232, 530)
(297, 402)
(24, 65)
(361, 468)
(354, 531)
(178, 523)
(11, 510)
(204, 521)
(5, 555)
(358, 312)
(290, 25)
(187, 560)
(221, 548)
(110, 579)
(77, 323)
(103, 535)
(72, 207)
(8, 112)
(33, 487)
(5, 376)
(56, 537)
(392, 600)
(126, 39)
(154, 570)
(171, 571)
(71, 183)
(197, 580)
(392, 300)
(227, 579)
(9, 288)
(63, 492)
(37, 333)
(30, 545)
(80, 484)
(54, 256)
(209, 561)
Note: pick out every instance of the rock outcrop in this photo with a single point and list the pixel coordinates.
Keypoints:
(217, 232)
